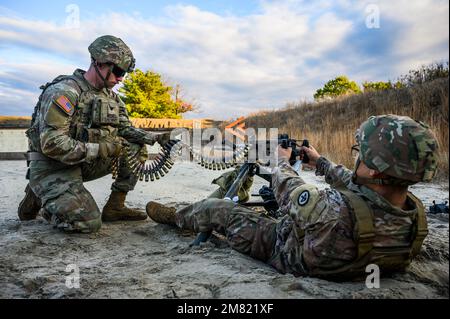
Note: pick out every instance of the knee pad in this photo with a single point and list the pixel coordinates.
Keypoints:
(73, 211)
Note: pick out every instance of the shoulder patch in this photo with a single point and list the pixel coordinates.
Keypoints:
(65, 104)
(304, 203)
(303, 198)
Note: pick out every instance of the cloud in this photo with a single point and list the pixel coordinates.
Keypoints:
(19, 83)
(233, 65)
(423, 24)
(422, 35)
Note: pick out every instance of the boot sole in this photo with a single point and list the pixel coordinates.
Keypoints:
(161, 213)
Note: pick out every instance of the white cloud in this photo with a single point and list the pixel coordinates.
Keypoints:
(232, 65)
(14, 101)
(423, 27)
(422, 24)
(19, 84)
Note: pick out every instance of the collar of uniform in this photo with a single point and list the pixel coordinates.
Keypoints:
(79, 73)
(379, 201)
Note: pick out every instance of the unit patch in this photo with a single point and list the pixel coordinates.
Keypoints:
(303, 198)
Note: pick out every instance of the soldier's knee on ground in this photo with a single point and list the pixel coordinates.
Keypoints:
(71, 212)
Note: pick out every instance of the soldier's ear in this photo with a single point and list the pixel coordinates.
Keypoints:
(376, 174)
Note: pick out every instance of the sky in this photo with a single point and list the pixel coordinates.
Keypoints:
(231, 58)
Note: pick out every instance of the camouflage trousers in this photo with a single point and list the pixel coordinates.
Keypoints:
(66, 203)
(274, 242)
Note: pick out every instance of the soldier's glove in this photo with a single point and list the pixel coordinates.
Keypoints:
(162, 138)
(142, 154)
(110, 147)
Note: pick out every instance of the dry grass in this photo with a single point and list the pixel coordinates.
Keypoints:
(330, 125)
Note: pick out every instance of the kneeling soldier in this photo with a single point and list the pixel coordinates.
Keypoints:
(78, 129)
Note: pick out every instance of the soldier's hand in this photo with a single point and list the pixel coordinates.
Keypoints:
(143, 154)
(312, 154)
(163, 138)
(110, 147)
(284, 153)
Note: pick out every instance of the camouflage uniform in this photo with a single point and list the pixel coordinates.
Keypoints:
(321, 233)
(66, 131)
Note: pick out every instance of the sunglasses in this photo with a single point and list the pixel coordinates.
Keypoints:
(118, 72)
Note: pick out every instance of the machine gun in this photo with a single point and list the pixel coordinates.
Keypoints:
(284, 141)
(163, 162)
(251, 169)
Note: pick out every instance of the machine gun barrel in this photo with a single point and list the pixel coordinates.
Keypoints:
(232, 193)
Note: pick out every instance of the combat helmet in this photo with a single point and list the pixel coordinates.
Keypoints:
(398, 146)
(110, 49)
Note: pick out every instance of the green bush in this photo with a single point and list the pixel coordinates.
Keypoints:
(341, 85)
(380, 86)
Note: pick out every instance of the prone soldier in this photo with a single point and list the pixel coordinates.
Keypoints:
(368, 216)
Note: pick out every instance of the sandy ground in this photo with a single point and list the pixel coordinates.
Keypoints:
(148, 260)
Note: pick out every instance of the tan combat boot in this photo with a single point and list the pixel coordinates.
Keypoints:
(160, 213)
(29, 206)
(115, 209)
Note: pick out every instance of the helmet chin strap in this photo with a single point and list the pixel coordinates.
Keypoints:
(105, 84)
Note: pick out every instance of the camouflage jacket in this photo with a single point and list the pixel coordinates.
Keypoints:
(67, 128)
(317, 232)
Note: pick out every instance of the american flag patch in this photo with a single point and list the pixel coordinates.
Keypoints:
(65, 104)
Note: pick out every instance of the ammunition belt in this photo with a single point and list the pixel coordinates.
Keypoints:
(219, 163)
(146, 171)
(163, 162)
